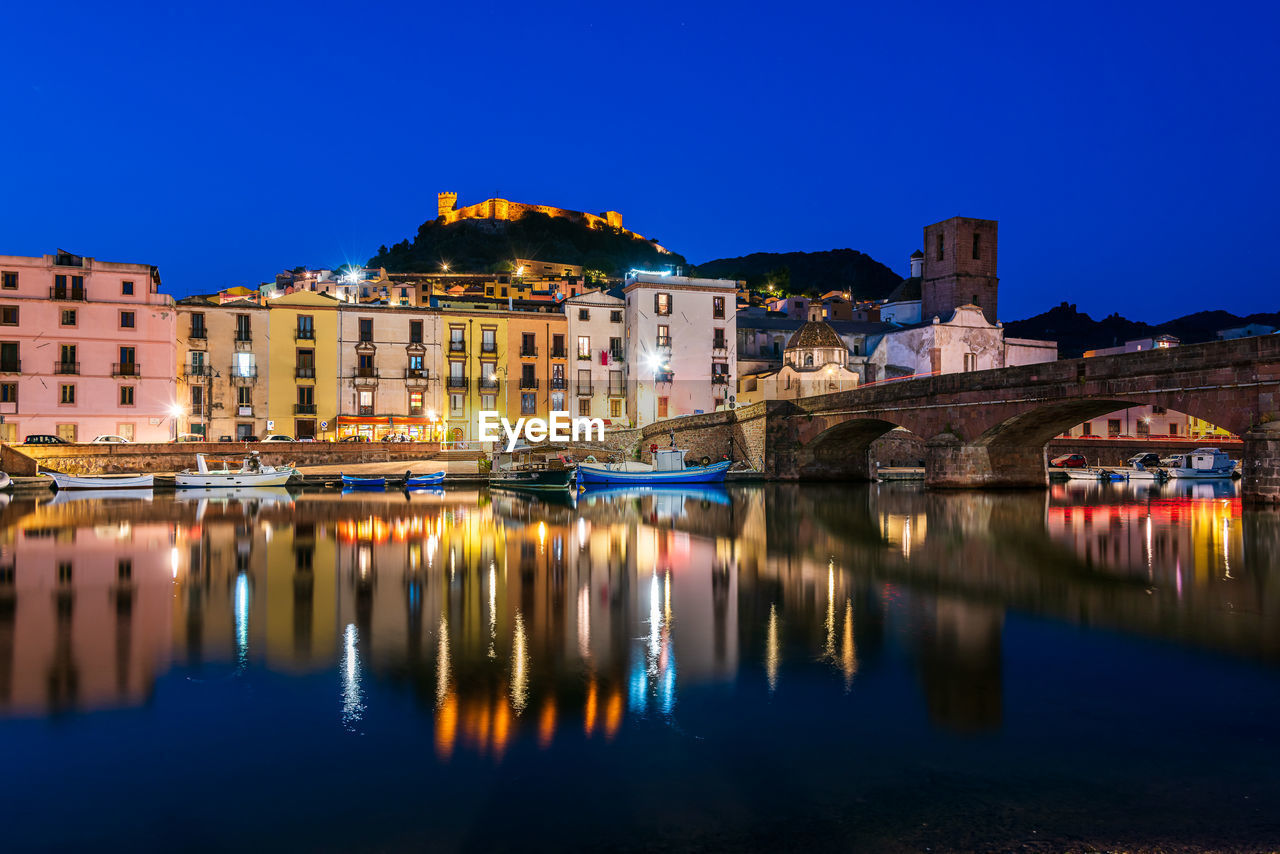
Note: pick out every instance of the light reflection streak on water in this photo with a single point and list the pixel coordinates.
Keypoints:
(519, 667)
(584, 621)
(242, 620)
(442, 663)
(771, 650)
(493, 610)
(653, 663)
(849, 649)
(352, 693)
(829, 650)
(1226, 547)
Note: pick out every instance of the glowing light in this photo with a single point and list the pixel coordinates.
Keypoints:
(442, 664)
(242, 619)
(771, 655)
(352, 695)
(654, 361)
(584, 621)
(431, 415)
(177, 411)
(173, 560)
(519, 668)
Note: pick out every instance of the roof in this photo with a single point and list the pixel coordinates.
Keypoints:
(908, 291)
(917, 254)
(815, 333)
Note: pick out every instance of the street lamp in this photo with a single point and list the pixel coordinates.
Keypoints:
(175, 412)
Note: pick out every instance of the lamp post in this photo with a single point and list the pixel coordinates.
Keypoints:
(655, 362)
(175, 412)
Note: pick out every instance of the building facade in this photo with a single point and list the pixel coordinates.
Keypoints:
(390, 380)
(597, 336)
(222, 356)
(303, 367)
(681, 345)
(86, 349)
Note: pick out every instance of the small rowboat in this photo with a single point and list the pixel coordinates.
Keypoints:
(352, 482)
(103, 481)
(419, 481)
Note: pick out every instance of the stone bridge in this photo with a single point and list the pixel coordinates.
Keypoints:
(990, 428)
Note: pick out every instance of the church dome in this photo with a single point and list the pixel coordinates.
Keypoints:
(815, 334)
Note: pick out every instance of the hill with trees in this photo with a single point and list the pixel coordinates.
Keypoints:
(810, 273)
(1076, 331)
(489, 246)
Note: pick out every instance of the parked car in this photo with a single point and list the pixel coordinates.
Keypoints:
(354, 438)
(109, 440)
(1069, 461)
(277, 437)
(189, 437)
(44, 439)
(1147, 460)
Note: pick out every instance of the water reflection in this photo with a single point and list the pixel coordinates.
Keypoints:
(506, 615)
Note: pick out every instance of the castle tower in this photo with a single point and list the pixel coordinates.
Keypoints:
(959, 267)
(446, 203)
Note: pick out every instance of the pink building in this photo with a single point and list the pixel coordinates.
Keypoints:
(86, 349)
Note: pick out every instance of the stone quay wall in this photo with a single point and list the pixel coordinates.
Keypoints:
(22, 460)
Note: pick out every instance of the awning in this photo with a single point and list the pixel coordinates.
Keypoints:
(384, 420)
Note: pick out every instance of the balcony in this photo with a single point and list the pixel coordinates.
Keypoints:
(304, 335)
(66, 368)
(719, 379)
(459, 383)
(11, 367)
(664, 376)
(584, 389)
(617, 356)
(304, 409)
(244, 341)
(244, 376)
(73, 294)
(364, 410)
(559, 353)
(458, 347)
(415, 376)
(126, 369)
(584, 357)
(528, 351)
(197, 410)
(528, 382)
(719, 345)
(559, 384)
(304, 372)
(488, 347)
(190, 371)
(664, 342)
(365, 376)
(488, 383)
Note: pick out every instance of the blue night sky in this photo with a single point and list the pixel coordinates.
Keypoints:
(1128, 150)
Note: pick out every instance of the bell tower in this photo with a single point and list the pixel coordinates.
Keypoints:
(959, 267)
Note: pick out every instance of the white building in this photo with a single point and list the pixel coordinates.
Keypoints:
(681, 345)
(597, 360)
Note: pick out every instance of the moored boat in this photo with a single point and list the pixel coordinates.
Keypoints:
(668, 467)
(251, 473)
(1144, 466)
(1200, 463)
(100, 481)
(354, 482)
(419, 481)
(527, 471)
(5, 481)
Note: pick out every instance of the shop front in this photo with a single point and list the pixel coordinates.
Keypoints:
(375, 428)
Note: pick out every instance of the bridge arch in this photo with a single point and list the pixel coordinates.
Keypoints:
(838, 450)
(1037, 426)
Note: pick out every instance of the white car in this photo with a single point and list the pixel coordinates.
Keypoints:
(109, 440)
(277, 437)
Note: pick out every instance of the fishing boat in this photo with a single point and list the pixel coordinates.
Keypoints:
(525, 470)
(100, 481)
(350, 481)
(250, 473)
(668, 467)
(1200, 463)
(1144, 466)
(1094, 474)
(420, 481)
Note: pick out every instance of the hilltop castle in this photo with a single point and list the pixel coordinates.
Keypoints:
(502, 209)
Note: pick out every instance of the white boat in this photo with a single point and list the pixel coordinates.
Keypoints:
(668, 467)
(1200, 463)
(5, 481)
(1144, 467)
(1088, 474)
(250, 473)
(100, 481)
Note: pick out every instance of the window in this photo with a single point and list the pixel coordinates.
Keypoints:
(364, 365)
(584, 314)
(970, 361)
(415, 331)
(416, 399)
(364, 402)
(489, 401)
(244, 396)
(67, 359)
(307, 395)
(243, 365)
(67, 394)
(488, 339)
(8, 392)
(528, 344)
(584, 347)
(126, 288)
(366, 330)
(717, 307)
(9, 360)
(664, 335)
(584, 406)
(808, 360)
(662, 304)
(717, 339)
(615, 408)
(125, 431)
(1173, 429)
(615, 316)
(126, 395)
(128, 365)
(942, 244)
(557, 401)
(9, 433)
(1113, 427)
(10, 281)
(306, 327)
(977, 247)
(197, 399)
(662, 407)
(615, 349)
(416, 365)
(128, 320)
(615, 382)
(456, 404)
(68, 317)
(457, 339)
(584, 381)
(305, 365)
(67, 432)
(197, 325)
(243, 330)
(1144, 428)
(557, 346)
(1086, 429)
(8, 315)
(528, 404)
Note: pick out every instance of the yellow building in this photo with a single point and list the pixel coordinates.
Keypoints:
(476, 357)
(537, 363)
(303, 375)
